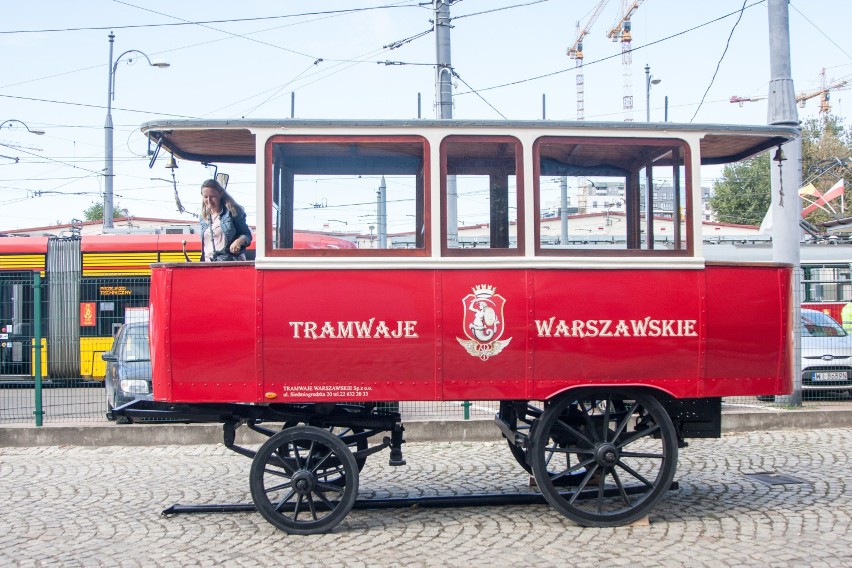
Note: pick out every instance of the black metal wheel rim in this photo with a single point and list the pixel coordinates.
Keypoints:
(604, 457)
(304, 480)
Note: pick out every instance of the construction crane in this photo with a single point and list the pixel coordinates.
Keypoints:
(621, 31)
(575, 52)
(823, 92)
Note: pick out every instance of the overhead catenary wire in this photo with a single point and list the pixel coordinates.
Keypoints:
(607, 58)
(413, 4)
(457, 76)
(499, 9)
(200, 44)
(478, 92)
(721, 58)
(825, 35)
(275, 91)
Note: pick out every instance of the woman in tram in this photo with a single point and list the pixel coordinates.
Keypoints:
(224, 231)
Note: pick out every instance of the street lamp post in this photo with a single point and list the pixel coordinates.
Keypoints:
(649, 80)
(108, 125)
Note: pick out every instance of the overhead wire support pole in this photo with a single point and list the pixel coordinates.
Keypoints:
(444, 104)
(443, 78)
(786, 177)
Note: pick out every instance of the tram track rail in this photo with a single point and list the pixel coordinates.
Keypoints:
(426, 502)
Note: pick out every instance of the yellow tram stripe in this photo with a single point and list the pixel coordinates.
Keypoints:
(178, 256)
(124, 263)
(21, 261)
(119, 259)
(117, 272)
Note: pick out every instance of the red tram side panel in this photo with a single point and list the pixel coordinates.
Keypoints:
(231, 333)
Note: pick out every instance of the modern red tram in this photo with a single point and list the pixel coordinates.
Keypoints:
(90, 284)
(605, 353)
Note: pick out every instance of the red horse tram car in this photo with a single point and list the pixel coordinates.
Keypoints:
(602, 331)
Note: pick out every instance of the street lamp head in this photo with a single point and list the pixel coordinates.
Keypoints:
(16, 121)
(656, 81)
(153, 63)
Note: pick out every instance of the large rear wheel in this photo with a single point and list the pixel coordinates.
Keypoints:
(616, 448)
(304, 480)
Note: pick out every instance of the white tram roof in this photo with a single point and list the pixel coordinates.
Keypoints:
(232, 141)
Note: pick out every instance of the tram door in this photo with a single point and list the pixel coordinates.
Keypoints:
(64, 267)
(16, 324)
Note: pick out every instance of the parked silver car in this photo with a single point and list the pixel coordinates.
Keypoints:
(128, 367)
(826, 355)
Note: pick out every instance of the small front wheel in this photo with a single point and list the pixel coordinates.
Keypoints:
(304, 480)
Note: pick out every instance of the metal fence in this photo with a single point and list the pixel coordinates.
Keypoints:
(62, 336)
(53, 333)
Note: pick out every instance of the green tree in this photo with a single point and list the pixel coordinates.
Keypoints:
(95, 212)
(826, 158)
(742, 194)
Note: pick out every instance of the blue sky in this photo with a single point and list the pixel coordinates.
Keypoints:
(507, 53)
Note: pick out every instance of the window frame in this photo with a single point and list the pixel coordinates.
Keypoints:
(271, 252)
(685, 179)
(520, 231)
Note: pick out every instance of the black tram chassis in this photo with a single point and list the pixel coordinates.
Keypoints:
(692, 418)
(315, 451)
(363, 420)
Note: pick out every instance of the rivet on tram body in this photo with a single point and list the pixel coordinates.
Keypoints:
(271, 395)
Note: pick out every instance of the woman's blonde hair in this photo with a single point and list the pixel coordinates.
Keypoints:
(233, 207)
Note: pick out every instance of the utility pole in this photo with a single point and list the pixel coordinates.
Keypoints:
(444, 105)
(786, 174)
(108, 155)
(444, 71)
(382, 215)
(563, 210)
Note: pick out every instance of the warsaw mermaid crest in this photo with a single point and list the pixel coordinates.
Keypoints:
(483, 322)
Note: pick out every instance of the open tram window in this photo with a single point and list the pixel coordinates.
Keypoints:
(482, 192)
(348, 195)
(593, 196)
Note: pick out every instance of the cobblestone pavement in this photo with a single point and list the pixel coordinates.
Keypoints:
(85, 506)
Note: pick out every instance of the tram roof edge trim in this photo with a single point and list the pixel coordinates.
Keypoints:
(232, 141)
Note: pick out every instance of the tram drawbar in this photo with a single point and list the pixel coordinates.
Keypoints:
(607, 339)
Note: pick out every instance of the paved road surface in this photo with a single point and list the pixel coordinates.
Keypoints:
(100, 506)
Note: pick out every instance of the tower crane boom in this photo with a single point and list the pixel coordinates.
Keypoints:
(575, 52)
(627, 10)
(621, 30)
(801, 98)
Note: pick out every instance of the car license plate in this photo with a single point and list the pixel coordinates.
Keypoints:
(833, 376)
